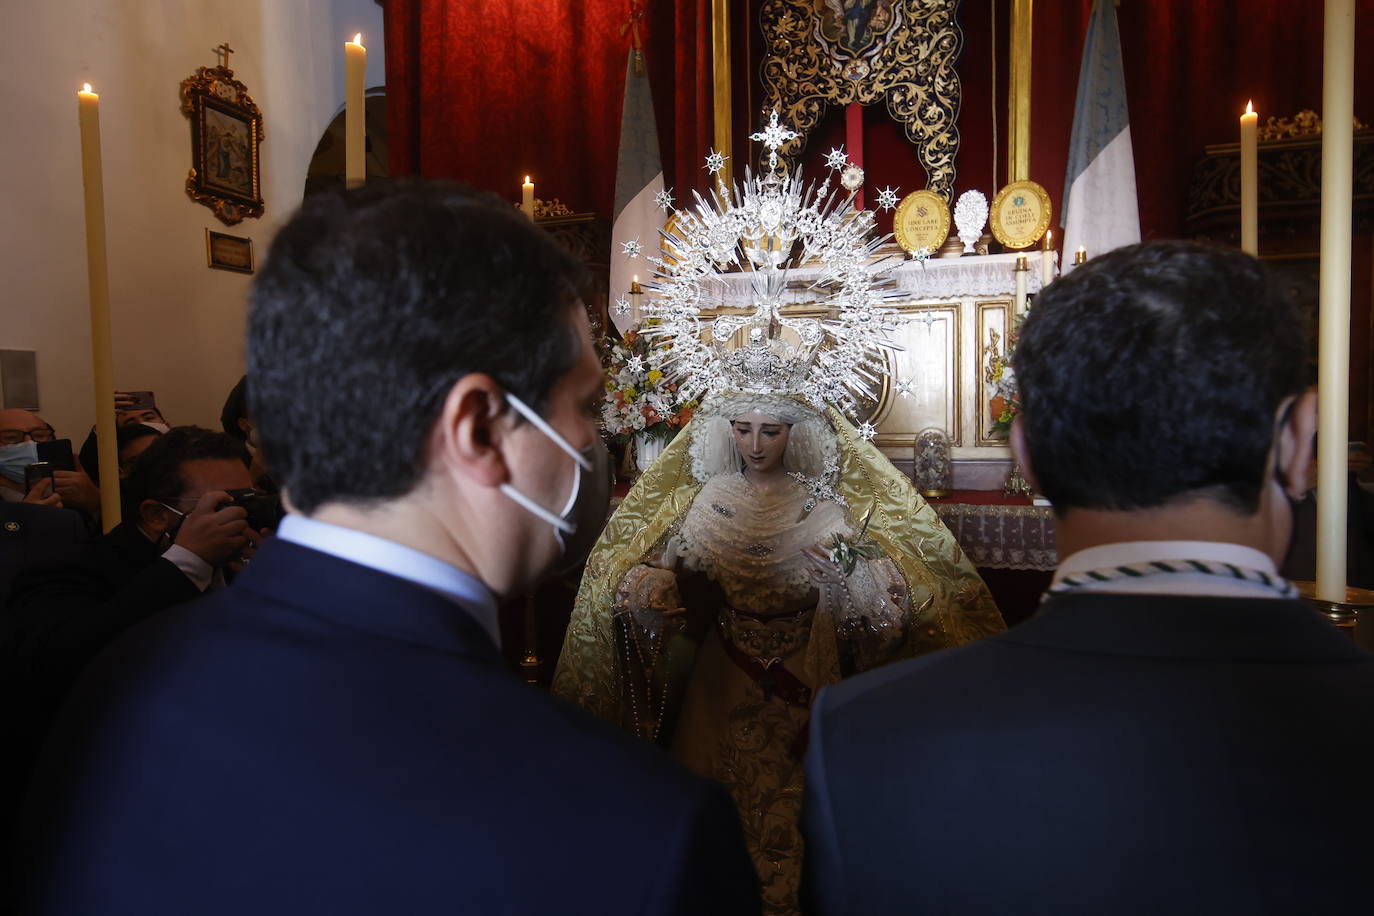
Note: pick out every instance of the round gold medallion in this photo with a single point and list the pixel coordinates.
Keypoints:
(1020, 214)
(921, 222)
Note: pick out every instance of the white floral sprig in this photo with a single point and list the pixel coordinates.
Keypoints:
(845, 554)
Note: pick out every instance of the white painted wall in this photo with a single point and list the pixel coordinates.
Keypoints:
(177, 325)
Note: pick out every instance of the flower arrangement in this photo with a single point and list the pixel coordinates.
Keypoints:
(1004, 395)
(639, 398)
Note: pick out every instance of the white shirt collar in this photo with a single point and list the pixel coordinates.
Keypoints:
(397, 560)
(1124, 553)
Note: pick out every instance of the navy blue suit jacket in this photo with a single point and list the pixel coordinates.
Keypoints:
(1114, 754)
(324, 738)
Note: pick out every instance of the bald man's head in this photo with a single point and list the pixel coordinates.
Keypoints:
(16, 425)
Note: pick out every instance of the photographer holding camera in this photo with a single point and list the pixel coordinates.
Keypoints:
(185, 525)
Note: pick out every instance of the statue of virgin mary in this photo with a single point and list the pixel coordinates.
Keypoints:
(771, 549)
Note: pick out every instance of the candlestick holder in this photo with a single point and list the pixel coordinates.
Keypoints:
(531, 663)
(1344, 615)
(1016, 484)
(1080, 257)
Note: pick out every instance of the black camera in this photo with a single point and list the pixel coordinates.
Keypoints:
(264, 509)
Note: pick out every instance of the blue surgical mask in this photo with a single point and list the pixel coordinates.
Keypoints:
(14, 458)
(563, 523)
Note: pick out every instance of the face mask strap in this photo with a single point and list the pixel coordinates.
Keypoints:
(530, 505)
(543, 426)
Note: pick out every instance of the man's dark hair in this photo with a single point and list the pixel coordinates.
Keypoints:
(371, 305)
(1152, 374)
(157, 473)
(235, 408)
(89, 456)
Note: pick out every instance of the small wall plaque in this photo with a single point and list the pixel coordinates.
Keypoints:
(228, 252)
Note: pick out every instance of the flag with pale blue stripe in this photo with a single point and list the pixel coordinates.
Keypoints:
(1100, 210)
(638, 179)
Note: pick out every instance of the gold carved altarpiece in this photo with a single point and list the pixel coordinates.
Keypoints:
(821, 53)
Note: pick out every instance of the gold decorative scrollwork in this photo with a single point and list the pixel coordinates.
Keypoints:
(837, 52)
(1306, 123)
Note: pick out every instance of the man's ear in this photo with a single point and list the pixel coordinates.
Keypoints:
(1020, 452)
(1295, 442)
(472, 426)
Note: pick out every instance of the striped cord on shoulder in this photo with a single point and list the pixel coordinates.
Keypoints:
(1091, 577)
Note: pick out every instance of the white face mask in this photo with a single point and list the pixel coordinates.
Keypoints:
(160, 427)
(562, 523)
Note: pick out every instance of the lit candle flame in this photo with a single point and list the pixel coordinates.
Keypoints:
(527, 180)
(1249, 108)
(358, 39)
(86, 87)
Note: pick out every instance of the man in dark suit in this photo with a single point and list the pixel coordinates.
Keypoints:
(1173, 731)
(336, 732)
(35, 532)
(178, 537)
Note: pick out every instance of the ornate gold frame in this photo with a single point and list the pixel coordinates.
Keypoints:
(910, 239)
(910, 66)
(996, 220)
(215, 89)
(943, 313)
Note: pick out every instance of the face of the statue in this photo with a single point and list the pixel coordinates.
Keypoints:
(760, 439)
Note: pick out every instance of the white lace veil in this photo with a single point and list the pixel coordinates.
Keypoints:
(811, 447)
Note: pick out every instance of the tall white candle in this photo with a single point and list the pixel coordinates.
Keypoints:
(1249, 181)
(1022, 269)
(97, 272)
(527, 197)
(1047, 261)
(1333, 349)
(355, 113)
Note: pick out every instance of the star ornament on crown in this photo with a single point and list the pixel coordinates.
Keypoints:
(768, 225)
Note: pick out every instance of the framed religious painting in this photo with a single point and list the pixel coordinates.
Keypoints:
(226, 129)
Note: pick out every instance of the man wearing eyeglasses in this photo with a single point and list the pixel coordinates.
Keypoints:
(20, 433)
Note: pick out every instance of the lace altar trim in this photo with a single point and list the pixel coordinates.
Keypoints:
(973, 277)
(1003, 537)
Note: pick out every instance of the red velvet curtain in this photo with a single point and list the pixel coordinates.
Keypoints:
(1190, 67)
(491, 90)
(488, 91)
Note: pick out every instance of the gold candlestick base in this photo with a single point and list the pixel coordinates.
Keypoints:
(531, 663)
(1016, 485)
(1344, 615)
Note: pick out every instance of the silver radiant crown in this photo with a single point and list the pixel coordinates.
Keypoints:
(769, 225)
